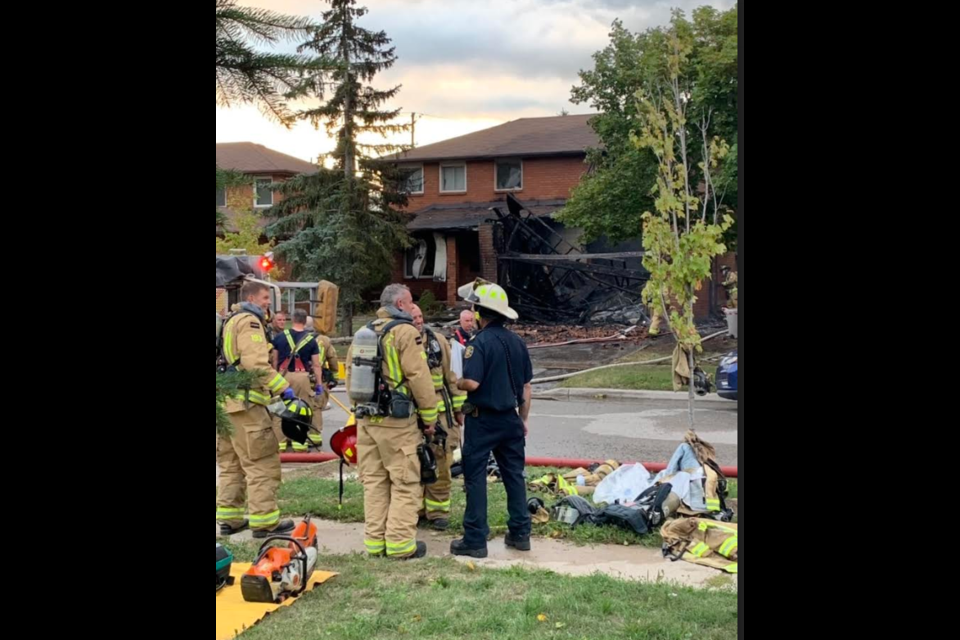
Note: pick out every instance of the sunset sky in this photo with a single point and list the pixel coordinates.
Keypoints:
(467, 65)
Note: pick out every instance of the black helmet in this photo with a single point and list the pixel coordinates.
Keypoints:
(296, 421)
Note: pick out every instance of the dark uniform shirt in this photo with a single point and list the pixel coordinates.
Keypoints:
(306, 353)
(498, 360)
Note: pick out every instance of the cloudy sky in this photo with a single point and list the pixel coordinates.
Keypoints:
(469, 64)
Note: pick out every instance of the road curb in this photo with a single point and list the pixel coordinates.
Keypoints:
(623, 395)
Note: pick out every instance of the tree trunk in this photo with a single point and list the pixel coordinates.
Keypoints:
(693, 392)
(346, 320)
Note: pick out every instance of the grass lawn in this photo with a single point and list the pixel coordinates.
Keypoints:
(656, 377)
(318, 497)
(441, 599)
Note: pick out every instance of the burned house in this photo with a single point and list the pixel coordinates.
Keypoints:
(484, 205)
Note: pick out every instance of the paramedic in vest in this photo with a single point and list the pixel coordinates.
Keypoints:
(388, 464)
(296, 355)
(497, 373)
(465, 332)
(436, 497)
(248, 460)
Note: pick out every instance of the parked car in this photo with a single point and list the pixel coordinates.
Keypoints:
(727, 377)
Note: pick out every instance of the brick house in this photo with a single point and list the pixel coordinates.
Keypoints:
(453, 184)
(263, 167)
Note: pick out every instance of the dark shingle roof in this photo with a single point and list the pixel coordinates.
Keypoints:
(556, 136)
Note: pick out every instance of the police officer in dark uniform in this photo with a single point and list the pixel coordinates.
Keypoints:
(496, 373)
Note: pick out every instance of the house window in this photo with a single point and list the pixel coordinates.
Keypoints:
(509, 175)
(221, 198)
(421, 258)
(264, 194)
(411, 180)
(453, 178)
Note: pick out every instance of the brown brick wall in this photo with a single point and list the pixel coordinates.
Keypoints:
(543, 179)
(488, 255)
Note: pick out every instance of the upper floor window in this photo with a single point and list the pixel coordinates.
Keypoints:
(509, 175)
(263, 197)
(453, 178)
(411, 180)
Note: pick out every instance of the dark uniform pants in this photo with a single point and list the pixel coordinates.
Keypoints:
(502, 434)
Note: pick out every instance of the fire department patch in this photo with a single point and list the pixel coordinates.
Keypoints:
(469, 353)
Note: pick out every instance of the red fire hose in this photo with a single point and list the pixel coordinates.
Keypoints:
(562, 463)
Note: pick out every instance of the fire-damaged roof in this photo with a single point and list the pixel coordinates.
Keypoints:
(527, 137)
(440, 217)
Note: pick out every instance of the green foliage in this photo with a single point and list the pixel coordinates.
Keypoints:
(612, 198)
(344, 224)
(429, 305)
(246, 75)
(684, 232)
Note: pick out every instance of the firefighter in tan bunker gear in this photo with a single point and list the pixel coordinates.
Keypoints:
(248, 460)
(450, 399)
(389, 465)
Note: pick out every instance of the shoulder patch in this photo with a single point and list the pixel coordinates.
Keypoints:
(254, 325)
(256, 337)
(469, 353)
(420, 341)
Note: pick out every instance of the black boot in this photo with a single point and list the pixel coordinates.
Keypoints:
(227, 531)
(520, 544)
(285, 528)
(421, 552)
(458, 548)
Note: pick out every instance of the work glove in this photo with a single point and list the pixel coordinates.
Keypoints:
(288, 394)
(319, 390)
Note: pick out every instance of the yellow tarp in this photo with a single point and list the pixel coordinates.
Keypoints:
(235, 616)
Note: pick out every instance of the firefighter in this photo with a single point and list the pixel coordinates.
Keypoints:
(389, 440)
(450, 399)
(730, 283)
(248, 460)
(331, 366)
(296, 355)
(467, 328)
(497, 373)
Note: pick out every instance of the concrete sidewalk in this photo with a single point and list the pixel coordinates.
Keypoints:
(622, 395)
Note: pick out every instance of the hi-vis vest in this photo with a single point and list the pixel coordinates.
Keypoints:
(299, 366)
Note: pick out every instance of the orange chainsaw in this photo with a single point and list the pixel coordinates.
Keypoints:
(283, 567)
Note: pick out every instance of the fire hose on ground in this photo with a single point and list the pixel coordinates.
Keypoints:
(561, 463)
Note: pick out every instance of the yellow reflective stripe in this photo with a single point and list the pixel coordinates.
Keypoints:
(441, 407)
(323, 353)
(437, 506)
(375, 547)
(266, 521)
(728, 547)
(700, 550)
(293, 345)
(704, 525)
(277, 383)
(733, 568)
(458, 402)
(429, 415)
(306, 340)
(393, 363)
(401, 548)
(258, 398)
(226, 513)
(713, 504)
(228, 343)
